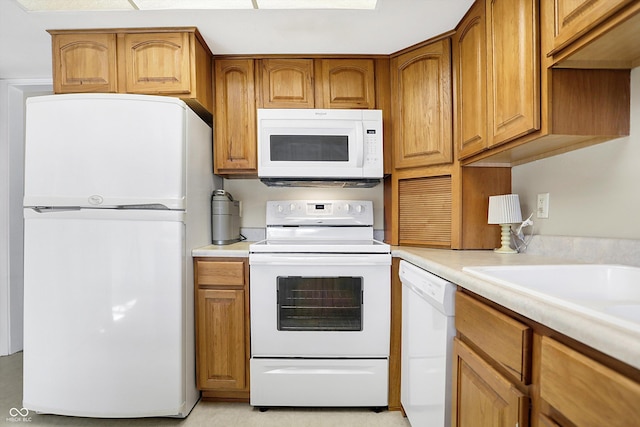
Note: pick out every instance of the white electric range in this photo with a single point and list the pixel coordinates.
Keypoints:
(320, 306)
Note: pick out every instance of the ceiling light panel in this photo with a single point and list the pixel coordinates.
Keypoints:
(74, 5)
(192, 4)
(316, 4)
(98, 5)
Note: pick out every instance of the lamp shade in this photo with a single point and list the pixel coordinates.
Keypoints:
(504, 209)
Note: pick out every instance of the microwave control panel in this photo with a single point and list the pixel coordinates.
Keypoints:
(373, 157)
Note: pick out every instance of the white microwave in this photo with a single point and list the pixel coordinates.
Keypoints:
(297, 145)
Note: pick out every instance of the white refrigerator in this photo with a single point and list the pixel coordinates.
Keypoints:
(117, 193)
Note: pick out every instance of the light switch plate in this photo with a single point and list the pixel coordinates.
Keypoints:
(542, 206)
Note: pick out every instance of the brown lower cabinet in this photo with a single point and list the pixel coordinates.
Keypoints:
(484, 398)
(511, 371)
(222, 328)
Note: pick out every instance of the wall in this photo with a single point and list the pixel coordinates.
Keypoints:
(13, 94)
(595, 191)
(254, 194)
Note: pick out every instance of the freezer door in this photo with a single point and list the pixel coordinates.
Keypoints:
(104, 313)
(104, 150)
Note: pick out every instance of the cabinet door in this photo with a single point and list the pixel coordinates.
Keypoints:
(157, 63)
(421, 111)
(513, 77)
(584, 391)
(235, 145)
(84, 63)
(481, 396)
(221, 339)
(287, 83)
(470, 67)
(425, 211)
(575, 17)
(347, 83)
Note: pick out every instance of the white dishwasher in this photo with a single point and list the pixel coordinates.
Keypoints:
(428, 308)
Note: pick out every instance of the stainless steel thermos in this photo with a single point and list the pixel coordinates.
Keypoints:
(225, 218)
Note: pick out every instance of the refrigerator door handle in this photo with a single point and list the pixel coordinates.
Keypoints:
(151, 206)
(47, 209)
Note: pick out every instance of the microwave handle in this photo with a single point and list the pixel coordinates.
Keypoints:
(361, 145)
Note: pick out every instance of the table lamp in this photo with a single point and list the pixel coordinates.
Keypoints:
(505, 210)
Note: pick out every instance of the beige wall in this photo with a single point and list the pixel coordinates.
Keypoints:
(595, 191)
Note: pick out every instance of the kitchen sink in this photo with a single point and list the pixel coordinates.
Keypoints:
(609, 290)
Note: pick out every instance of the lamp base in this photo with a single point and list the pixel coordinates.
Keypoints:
(507, 250)
(505, 240)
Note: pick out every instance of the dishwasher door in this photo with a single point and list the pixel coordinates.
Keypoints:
(427, 336)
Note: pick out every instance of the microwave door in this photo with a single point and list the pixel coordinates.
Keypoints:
(307, 150)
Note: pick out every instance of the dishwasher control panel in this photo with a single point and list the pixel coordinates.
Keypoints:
(434, 289)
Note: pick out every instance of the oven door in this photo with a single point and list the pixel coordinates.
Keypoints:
(320, 305)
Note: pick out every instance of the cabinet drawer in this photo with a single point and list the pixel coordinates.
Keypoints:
(585, 391)
(220, 273)
(502, 338)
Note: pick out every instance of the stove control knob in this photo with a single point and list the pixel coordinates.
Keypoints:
(360, 209)
(347, 207)
(292, 207)
(280, 209)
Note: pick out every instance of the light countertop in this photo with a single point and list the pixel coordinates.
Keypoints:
(238, 249)
(612, 339)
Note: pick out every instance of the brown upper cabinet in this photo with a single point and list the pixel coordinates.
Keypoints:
(346, 83)
(421, 107)
(317, 83)
(497, 76)
(534, 109)
(572, 18)
(513, 76)
(235, 140)
(287, 83)
(153, 61)
(470, 81)
(157, 63)
(84, 62)
(244, 84)
(593, 34)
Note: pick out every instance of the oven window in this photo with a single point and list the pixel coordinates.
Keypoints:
(309, 148)
(319, 303)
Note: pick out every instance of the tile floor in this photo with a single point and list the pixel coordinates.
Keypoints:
(204, 414)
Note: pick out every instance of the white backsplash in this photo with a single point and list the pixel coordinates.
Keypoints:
(587, 249)
(253, 234)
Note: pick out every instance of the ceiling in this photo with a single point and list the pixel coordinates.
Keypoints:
(25, 46)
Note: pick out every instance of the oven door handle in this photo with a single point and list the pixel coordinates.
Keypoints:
(320, 259)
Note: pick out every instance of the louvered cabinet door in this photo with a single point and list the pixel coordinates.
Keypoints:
(425, 211)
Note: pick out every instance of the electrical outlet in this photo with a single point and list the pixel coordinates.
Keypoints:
(542, 207)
